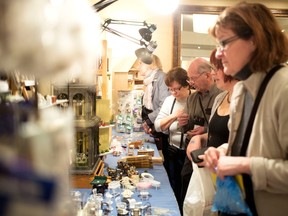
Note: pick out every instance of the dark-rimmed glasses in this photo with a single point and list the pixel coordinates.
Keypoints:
(222, 44)
(175, 90)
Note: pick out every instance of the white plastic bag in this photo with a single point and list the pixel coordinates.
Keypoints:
(200, 193)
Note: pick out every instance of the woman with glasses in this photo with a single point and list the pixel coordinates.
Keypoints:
(252, 47)
(166, 122)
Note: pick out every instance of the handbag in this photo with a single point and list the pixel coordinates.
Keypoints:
(200, 194)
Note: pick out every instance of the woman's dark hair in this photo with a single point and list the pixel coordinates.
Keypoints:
(255, 19)
(177, 74)
(217, 64)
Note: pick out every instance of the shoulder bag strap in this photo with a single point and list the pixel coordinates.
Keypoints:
(172, 107)
(202, 108)
(182, 134)
(255, 107)
(246, 178)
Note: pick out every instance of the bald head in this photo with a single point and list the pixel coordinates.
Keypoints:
(199, 65)
(199, 73)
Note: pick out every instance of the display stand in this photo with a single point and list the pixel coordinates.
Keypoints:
(105, 130)
(83, 181)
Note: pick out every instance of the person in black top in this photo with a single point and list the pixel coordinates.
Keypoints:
(218, 132)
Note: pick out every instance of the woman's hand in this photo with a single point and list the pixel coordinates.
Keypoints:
(216, 161)
(178, 113)
(203, 163)
(211, 158)
(231, 165)
(183, 119)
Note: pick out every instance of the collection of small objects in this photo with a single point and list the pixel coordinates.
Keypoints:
(126, 181)
(121, 184)
(129, 111)
(144, 158)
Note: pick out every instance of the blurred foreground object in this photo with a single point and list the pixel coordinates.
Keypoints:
(35, 158)
(42, 37)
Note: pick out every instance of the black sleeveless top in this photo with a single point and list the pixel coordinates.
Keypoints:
(218, 130)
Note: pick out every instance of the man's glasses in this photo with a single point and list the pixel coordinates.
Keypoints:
(222, 44)
(193, 79)
(175, 90)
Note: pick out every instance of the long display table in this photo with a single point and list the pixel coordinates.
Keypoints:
(161, 198)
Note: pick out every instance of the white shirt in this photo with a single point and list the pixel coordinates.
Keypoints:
(174, 133)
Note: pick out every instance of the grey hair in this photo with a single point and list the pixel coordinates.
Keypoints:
(204, 68)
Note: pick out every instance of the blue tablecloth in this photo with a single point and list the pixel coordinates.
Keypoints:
(162, 197)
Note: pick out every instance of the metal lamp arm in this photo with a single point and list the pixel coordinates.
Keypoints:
(124, 22)
(120, 34)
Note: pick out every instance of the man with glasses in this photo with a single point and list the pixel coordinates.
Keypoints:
(195, 119)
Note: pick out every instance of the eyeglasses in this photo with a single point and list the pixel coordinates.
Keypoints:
(175, 90)
(193, 79)
(222, 44)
